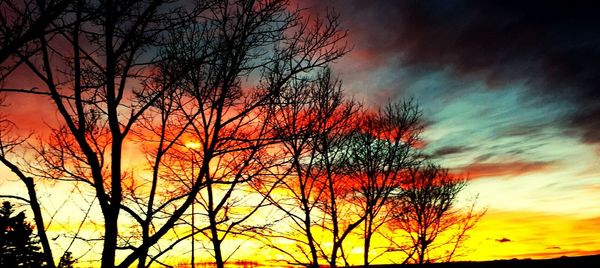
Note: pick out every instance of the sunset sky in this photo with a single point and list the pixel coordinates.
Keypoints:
(510, 92)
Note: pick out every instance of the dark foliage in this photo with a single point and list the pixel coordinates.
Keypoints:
(66, 261)
(18, 246)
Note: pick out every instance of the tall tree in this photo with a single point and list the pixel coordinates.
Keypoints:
(306, 110)
(260, 48)
(173, 72)
(88, 68)
(379, 152)
(332, 138)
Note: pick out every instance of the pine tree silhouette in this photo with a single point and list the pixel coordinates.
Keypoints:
(18, 246)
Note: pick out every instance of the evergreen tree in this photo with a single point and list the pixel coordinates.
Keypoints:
(18, 246)
(66, 261)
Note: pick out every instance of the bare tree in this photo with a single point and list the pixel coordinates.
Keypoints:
(230, 117)
(305, 111)
(102, 50)
(228, 100)
(379, 152)
(8, 144)
(331, 142)
(171, 72)
(426, 212)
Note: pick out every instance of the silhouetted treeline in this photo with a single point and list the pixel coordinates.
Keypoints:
(234, 109)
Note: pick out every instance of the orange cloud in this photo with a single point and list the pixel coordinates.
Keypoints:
(504, 169)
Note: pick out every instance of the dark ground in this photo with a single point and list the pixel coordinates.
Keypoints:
(562, 262)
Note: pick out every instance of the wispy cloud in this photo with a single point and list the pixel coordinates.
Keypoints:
(504, 169)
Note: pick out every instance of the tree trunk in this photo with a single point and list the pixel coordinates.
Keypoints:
(307, 227)
(311, 244)
(366, 249)
(368, 234)
(39, 221)
(212, 218)
(111, 228)
(111, 212)
(422, 251)
(217, 248)
(144, 253)
(333, 260)
(110, 239)
(142, 260)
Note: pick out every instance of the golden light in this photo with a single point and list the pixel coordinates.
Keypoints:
(193, 145)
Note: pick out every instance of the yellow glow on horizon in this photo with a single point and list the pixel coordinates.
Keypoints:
(527, 234)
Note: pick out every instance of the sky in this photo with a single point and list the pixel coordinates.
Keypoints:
(511, 93)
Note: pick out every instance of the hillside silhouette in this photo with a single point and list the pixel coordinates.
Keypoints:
(562, 262)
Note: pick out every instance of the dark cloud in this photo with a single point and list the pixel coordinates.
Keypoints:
(450, 150)
(552, 46)
(483, 157)
(531, 130)
(503, 240)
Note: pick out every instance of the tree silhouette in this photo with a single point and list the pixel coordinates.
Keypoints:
(227, 101)
(18, 246)
(307, 114)
(204, 71)
(426, 212)
(66, 260)
(379, 153)
(336, 217)
(228, 118)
